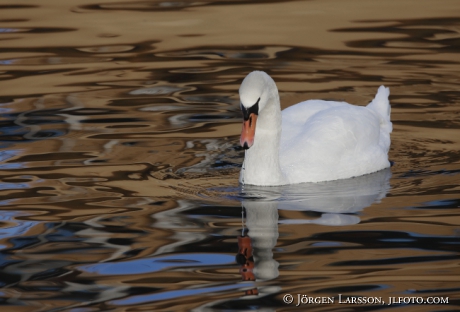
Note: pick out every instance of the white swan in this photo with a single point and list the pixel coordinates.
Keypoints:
(311, 141)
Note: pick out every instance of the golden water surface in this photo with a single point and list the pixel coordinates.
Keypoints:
(119, 156)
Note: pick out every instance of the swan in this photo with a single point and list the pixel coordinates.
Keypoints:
(312, 141)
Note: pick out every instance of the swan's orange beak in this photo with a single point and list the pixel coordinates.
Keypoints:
(249, 131)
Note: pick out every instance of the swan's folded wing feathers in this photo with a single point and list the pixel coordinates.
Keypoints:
(333, 143)
(294, 118)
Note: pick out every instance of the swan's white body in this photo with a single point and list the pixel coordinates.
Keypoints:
(314, 140)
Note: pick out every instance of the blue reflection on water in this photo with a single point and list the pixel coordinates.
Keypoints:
(6, 62)
(141, 266)
(11, 228)
(12, 166)
(7, 154)
(8, 30)
(177, 294)
(13, 186)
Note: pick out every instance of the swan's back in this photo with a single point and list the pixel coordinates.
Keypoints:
(294, 118)
(326, 140)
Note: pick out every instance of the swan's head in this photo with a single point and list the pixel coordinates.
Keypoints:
(254, 93)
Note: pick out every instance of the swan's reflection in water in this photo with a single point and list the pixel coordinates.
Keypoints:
(335, 200)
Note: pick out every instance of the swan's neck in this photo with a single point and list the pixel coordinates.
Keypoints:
(261, 161)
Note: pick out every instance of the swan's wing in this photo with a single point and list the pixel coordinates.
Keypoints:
(295, 117)
(337, 142)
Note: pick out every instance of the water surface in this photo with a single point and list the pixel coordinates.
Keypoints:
(119, 156)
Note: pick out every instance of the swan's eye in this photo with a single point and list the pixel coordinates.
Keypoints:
(245, 112)
(254, 109)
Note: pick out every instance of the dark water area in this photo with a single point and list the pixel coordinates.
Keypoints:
(120, 157)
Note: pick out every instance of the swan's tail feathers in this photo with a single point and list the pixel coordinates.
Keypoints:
(381, 105)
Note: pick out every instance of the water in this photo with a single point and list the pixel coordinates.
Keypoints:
(119, 156)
